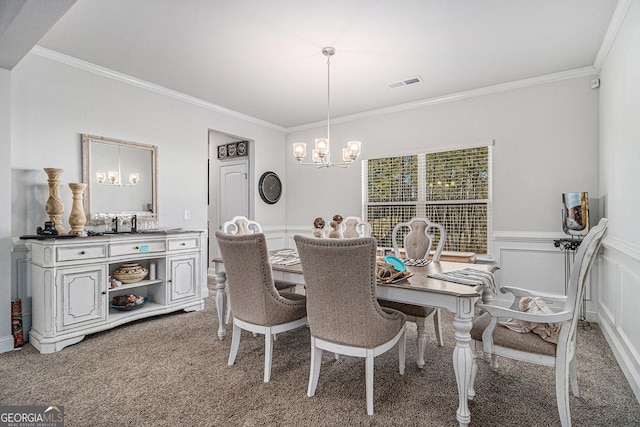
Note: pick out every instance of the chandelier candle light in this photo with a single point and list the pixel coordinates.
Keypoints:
(321, 156)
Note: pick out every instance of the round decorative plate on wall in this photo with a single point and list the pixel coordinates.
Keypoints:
(270, 187)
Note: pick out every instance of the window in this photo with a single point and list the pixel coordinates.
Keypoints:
(452, 188)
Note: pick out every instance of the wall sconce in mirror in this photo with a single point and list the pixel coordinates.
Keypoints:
(575, 213)
(114, 178)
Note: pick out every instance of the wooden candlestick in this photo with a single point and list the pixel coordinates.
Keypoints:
(54, 206)
(77, 217)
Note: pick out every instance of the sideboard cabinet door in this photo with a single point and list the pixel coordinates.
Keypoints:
(81, 296)
(183, 277)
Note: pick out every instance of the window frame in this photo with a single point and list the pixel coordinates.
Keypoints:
(421, 203)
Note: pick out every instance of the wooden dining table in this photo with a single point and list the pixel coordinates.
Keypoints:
(418, 289)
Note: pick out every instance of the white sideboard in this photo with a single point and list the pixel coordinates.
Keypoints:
(71, 295)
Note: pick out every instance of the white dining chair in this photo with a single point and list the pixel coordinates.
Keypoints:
(353, 226)
(417, 244)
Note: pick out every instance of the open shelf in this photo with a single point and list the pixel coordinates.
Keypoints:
(116, 315)
(135, 285)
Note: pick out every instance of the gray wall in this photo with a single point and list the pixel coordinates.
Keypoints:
(6, 338)
(55, 103)
(546, 143)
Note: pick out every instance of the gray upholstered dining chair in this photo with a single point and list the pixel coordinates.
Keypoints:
(417, 244)
(344, 315)
(256, 304)
(495, 339)
(353, 226)
(240, 225)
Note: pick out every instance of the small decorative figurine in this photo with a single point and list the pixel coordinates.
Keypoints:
(335, 232)
(318, 227)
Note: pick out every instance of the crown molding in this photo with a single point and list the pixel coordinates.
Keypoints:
(488, 90)
(124, 78)
(612, 32)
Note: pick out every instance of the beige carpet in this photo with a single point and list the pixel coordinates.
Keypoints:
(172, 371)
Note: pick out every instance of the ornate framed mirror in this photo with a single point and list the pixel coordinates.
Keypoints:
(120, 177)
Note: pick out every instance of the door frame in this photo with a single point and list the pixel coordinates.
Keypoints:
(214, 222)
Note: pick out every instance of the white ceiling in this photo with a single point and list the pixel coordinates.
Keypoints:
(263, 58)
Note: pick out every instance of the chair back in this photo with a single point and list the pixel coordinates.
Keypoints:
(585, 256)
(340, 277)
(241, 225)
(353, 226)
(253, 296)
(419, 239)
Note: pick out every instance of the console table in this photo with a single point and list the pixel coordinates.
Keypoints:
(70, 290)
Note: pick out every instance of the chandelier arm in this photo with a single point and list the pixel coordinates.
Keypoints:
(324, 164)
(328, 104)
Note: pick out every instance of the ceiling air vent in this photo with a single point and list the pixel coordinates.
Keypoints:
(405, 82)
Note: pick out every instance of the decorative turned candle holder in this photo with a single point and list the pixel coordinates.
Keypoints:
(77, 217)
(54, 206)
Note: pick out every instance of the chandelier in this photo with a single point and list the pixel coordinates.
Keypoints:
(321, 155)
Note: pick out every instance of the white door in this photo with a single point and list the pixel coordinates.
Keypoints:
(234, 191)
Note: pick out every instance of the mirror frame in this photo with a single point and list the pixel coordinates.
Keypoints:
(86, 171)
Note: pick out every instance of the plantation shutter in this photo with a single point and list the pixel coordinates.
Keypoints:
(452, 188)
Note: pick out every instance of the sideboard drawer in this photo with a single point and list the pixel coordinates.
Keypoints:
(140, 247)
(184, 243)
(78, 253)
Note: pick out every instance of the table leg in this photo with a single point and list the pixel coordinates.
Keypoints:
(221, 303)
(487, 296)
(463, 356)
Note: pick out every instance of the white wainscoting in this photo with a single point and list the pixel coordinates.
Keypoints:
(531, 261)
(619, 302)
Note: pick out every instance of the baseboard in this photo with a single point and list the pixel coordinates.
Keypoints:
(6, 344)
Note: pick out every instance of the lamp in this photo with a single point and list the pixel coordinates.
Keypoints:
(321, 154)
(134, 177)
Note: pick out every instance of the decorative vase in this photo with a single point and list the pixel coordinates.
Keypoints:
(77, 217)
(54, 206)
(130, 272)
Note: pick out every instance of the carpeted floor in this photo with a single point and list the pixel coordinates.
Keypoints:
(172, 370)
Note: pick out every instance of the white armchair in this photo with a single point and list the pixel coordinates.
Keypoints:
(494, 339)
